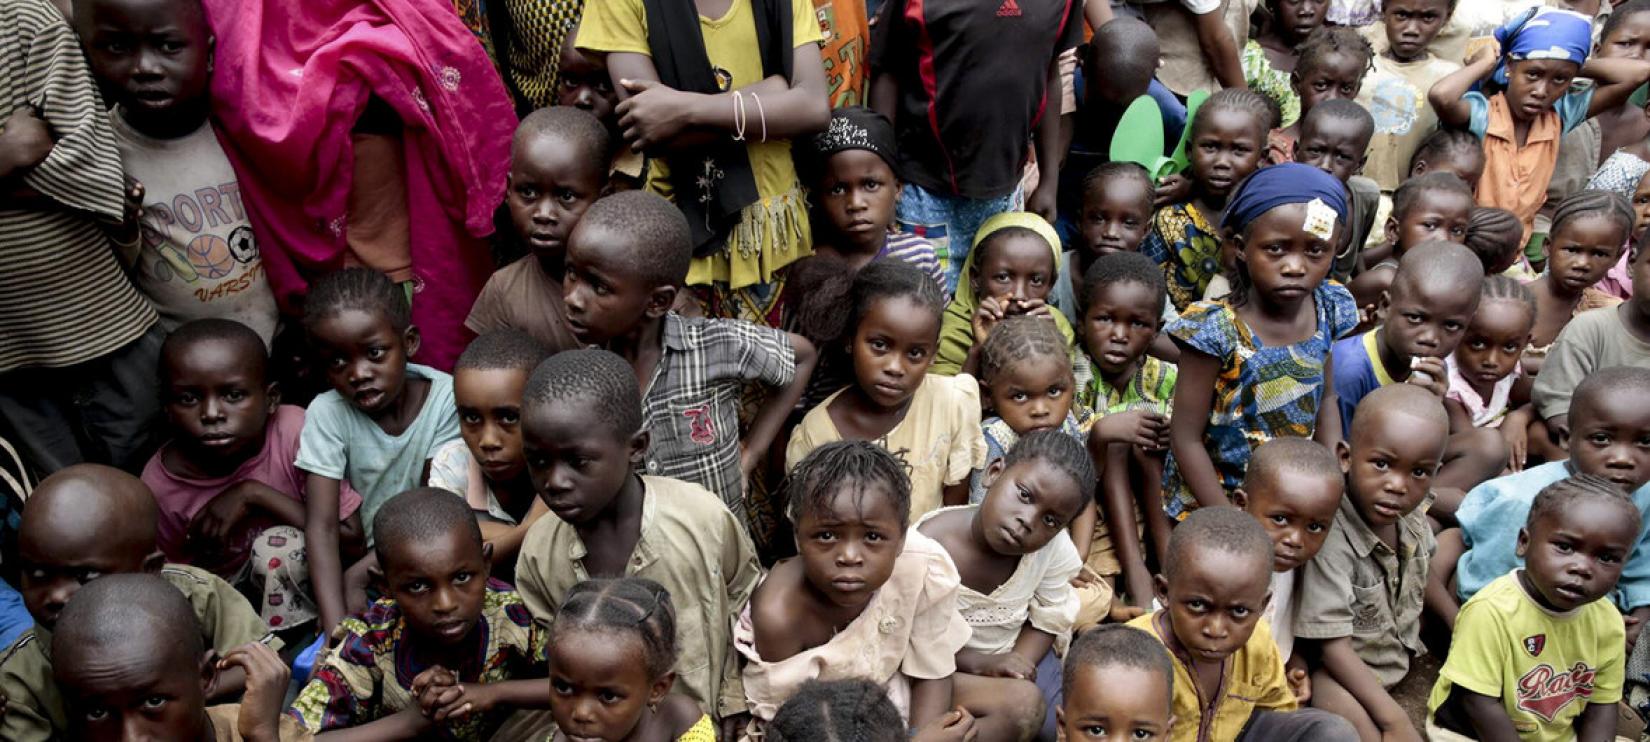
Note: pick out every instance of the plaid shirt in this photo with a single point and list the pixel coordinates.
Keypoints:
(691, 406)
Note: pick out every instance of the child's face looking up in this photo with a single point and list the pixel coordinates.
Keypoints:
(439, 585)
(365, 358)
(857, 192)
(1335, 76)
(217, 401)
(1215, 600)
(1333, 145)
(1390, 463)
(1426, 318)
(550, 188)
(1610, 436)
(1119, 323)
(1534, 85)
(584, 83)
(1297, 509)
(1574, 556)
(1033, 393)
(848, 549)
(893, 346)
(1411, 25)
(1115, 218)
(605, 299)
(489, 418)
(1014, 268)
(1026, 506)
(1494, 342)
(577, 467)
(1583, 250)
(1226, 147)
(1285, 262)
(599, 685)
(1434, 215)
(1115, 703)
(152, 692)
(151, 56)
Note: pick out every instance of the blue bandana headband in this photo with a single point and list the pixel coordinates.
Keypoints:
(1544, 33)
(1286, 184)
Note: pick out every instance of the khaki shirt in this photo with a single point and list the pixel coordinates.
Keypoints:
(1358, 587)
(34, 710)
(692, 545)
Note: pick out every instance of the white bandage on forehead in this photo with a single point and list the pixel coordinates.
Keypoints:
(1320, 219)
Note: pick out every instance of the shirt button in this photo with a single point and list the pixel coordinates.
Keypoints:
(653, 466)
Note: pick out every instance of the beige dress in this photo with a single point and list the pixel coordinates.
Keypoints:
(1038, 591)
(910, 629)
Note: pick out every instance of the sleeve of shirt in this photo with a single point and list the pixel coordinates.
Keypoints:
(615, 26)
(1612, 672)
(450, 468)
(802, 441)
(1477, 653)
(24, 677)
(765, 354)
(967, 442)
(1342, 311)
(1572, 358)
(531, 583)
(1478, 120)
(321, 447)
(83, 170)
(742, 572)
(487, 313)
(938, 630)
(804, 24)
(335, 696)
(1633, 590)
(1205, 327)
(1054, 604)
(227, 619)
(1324, 598)
(1572, 108)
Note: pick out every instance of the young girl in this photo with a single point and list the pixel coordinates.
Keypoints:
(1227, 141)
(931, 422)
(1494, 236)
(1589, 234)
(716, 101)
(1333, 62)
(1256, 366)
(1010, 270)
(847, 711)
(1270, 58)
(611, 650)
(1452, 151)
(1026, 377)
(1485, 366)
(1016, 563)
(865, 598)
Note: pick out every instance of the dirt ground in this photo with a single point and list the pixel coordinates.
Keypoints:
(1412, 693)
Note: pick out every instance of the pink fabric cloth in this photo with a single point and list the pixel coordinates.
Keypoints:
(290, 79)
(1619, 281)
(180, 498)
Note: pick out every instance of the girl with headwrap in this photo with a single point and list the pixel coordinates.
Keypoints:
(1529, 103)
(1256, 365)
(1005, 274)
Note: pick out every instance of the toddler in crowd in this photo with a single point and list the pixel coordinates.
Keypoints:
(375, 429)
(583, 440)
(1273, 333)
(1436, 207)
(931, 422)
(557, 170)
(1537, 653)
(612, 651)
(1016, 563)
(86, 521)
(1026, 379)
(486, 466)
(229, 498)
(1333, 62)
(1118, 684)
(1116, 213)
(1229, 680)
(1273, 59)
(1010, 271)
(1485, 367)
(1589, 234)
(1618, 336)
(1361, 597)
(1333, 138)
(1395, 93)
(1453, 151)
(856, 710)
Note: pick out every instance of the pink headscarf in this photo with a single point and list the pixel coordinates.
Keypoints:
(290, 80)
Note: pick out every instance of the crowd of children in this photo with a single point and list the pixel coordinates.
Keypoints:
(1038, 370)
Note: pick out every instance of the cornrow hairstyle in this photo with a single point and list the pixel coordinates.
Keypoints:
(860, 466)
(1227, 530)
(1503, 288)
(1593, 202)
(1560, 496)
(589, 375)
(1017, 339)
(1495, 236)
(213, 329)
(572, 129)
(856, 710)
(1116, 645)
(1121, 268)
(419, 516)
(1327, 41)
(1094, 184)
(1061, 451)
(1619, 15)
(362, 289)
(506, 349)
(1445, 143)
(1409, 192)
(1591, 392)
(647, 234)
(1241, 100)
(634, 605)
(824, 284)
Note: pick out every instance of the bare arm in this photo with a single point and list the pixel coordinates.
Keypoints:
(929, 699)
(1489, 718)
(771, 417)
(1342, 663)
(1033, 644)
(1460, 420)
(507, 539)
(1117, 499)
(1097, 13)
(1193, 397)
(1613, 81)
(1329, 408)
(652, 114)
(1597, 723)
(321, 538)
(1081, 529)
(885, 94)
(407, 723)
(1219, 48)
(1052, 129)
(1445, 95)
(1440, 600)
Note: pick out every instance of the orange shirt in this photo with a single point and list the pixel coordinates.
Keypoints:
(1515, 178)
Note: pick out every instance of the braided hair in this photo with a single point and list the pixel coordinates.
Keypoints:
(1058, 450)
(363, 289)
(1559, 496)
(1594, 202)
(633, 605)
(1327, 41)
(1495, 236)
(856, 710)
(1017, 339)
(1497, 288)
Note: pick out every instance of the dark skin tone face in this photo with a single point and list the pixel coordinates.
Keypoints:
(1641, 208)
(1333, 145)
(550, 186)
(77, 530)
(1575, 555)
(489, 418)
(1226, 146)
(153, 59)
(600, 688)
(857, 193)
(1411, 25)
(848, 548)
(579, 469)
(1115, 703)
(1015, 267)
(1423, 318)
(1119, 323)
(1033, 394)
(892, 349)
(1582, 251)
(1334, 76)
(1025, 507)
(605, 298)
(1296, 19)
(1285, 262)
(1391, 461)
(1534, 85)
(218, 402)
(438, 583)
(1630, 39)
(1635, 312)
(131, 691)
(1215, 602)
(365, 359)
(1115, 218)
(1610, 436)
(1297, 509)
(584, 82)
(1494, 342)
(1434, 215)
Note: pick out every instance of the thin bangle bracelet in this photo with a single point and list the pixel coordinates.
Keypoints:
(739, 117)
(763, 114)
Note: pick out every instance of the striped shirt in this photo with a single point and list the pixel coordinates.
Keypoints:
(63, 296)
(915, 250)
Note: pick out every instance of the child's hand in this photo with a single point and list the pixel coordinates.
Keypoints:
(131, 211)
(986, 316)
(1042, 201)
(266, 683)
(956, 725)
(1634, 626)
(1430, 374)
(1144, 428)
(1517, 438)
(472, 698)
(25, 141)
(1171, 189)
(1122, 612)
(1085, 577)
(1300, 683)
(1005, 665)
(653, 114)
(356, 579)
(435, 688)
(213, 525)
(1031, 307)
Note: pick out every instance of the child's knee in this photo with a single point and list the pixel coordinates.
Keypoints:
(1484, 446)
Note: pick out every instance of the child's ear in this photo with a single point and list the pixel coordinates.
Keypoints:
(1523, 542)
(487, 555)
(412, 339)
(1240, 499)
(1383, 304)
(660, 301)
(1060, 723)
(992, 472)
(375, 578)
(1343, 452)
(1161, 584)
(1295, 82)
(1391, 229)
(154, 561)
(1362, 161)
(272, 392)
(638, 446)
(660, 688)
(208, 671)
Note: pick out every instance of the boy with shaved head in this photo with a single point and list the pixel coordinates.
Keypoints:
(84, 522)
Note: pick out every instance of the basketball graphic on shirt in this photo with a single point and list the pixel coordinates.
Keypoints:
(210, 256)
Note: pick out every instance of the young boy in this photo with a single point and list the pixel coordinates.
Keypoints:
(1114, 216)
(486, 467)
(1432, 207)
(626, 263)
(191, 249)
(83, 522)
(558, 167)
(1119, 680)
(1294, 488)
(1395, 92)
(1592, 341)
(444, 653)
(1229, 681)
(1334, 136)
(1361, 596)
(376, 428)
(1536, 653)
(230, 499)
(137, 624)
(583, 438)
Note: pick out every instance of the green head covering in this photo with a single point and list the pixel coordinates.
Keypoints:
(957, 326)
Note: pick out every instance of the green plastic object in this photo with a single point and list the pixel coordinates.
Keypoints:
(1139, 137)
(1193, 102)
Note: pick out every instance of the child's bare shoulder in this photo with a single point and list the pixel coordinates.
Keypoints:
(777, 606)
(950, 528)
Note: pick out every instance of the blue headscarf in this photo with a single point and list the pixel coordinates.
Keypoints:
(1282, 185)
(1544, 33)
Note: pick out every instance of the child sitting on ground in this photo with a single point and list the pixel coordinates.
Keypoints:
(612, 651)
(1484, 368)
(230, 499)
(1229, 680)
(583, 440)
(558, 169)
(1495, 236)
(866, 597)
(1538, 653)
(1293, 488)
(1396, 89)
(1026, 379)
(1332, 65)
(486, 467)
(1010, 271)
(376, 429)
(891, 331)
(626, 263)
(446, 652)
(88, 520)
(1589, 234)
(1273, 333)
(1333, 138)
(1436, 207)
(1118, 684)
(1360, 598)
(1016, 562)
(151, 630)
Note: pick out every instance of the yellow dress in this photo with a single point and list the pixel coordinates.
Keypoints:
(701, 731)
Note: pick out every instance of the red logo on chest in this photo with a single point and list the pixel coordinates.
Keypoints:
(701, 426)
(1534, 644)
(1544, 691)
(1009, 9)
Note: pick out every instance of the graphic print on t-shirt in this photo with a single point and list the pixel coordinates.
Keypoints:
(1544, 691)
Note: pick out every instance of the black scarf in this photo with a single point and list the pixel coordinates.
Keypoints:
(713, 182)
